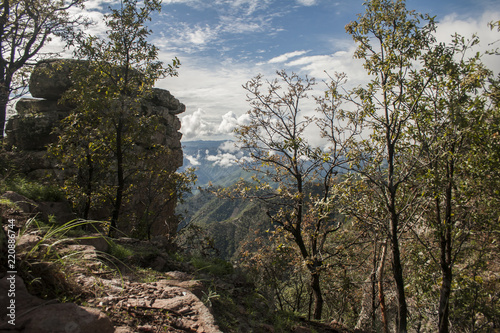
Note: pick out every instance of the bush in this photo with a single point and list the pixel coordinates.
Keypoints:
(33, 190)
(213, 266)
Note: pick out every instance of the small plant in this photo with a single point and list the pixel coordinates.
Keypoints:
(208, 297)
(7, 203)
(48, 272)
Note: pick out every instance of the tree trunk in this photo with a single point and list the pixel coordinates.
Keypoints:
(397, 270)
(120, 178)
(446, 254)
(3, 111)
(318, 297)
(89, 179)
(444, 300)
(381, 297)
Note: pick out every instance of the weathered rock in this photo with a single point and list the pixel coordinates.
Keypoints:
(162, 97)
(36, 126)
(51, 78)
(98, 241)
(30, 105)
(192, 315)
(34, 315)
(24, 205)
(26, 242)
(33, 131)
(68, 317)
(60, 210)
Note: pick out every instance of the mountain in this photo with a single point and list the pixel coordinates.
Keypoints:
(229, 223)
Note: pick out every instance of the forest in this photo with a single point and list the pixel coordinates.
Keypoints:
(388, 222)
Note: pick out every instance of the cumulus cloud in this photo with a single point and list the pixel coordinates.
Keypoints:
(199, 126)
(230, 121)
(229, 146)
(194, 125)
(194, 161)
(223, 159)
(478, 25)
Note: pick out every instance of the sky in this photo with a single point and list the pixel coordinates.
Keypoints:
(224, 43)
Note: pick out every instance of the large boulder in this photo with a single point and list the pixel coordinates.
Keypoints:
(51, 78)
(34, 131)
(164, 98)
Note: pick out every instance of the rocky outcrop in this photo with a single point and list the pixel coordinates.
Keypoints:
(32, 129)
(31, 314)
(113, 302)
(35, 127)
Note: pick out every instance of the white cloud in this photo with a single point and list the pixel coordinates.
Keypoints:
(307, 2)
(229, 146)
(230, 121)
(198, 125)
(223, 159)
(192, 160)
(452, 24)
(194, 125)
(286, 56)
(321, 66)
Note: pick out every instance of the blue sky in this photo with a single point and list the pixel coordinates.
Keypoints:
(223, 43)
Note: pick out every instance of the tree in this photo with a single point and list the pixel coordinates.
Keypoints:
(390, 40)
(26, 26)
(109, 90)
(301, 204)
(451, 127)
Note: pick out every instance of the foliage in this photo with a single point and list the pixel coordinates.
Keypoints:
(110, 137)
(119, 251)
(214, 266)
(47, 271)
(390, 40)
(25, 27)
(296, 179)
(31, 189)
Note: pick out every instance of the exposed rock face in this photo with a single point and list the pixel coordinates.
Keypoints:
(35, 315)
(52, 78)
(34, 127)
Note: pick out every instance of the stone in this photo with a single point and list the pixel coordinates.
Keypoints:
(98, 241)
(36, 127)
(27, 241)
(32, 131)
(31, 105)
(162, 97)
(24, 205)
(60, 210)
(35, 315)
(51, 78)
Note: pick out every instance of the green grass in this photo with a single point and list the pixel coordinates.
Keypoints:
(213, 266)
(119, 251)
(33, 190)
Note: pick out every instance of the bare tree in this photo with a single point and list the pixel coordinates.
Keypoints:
(301, 204)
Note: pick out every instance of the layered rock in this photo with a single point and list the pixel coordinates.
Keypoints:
(35, 126)
(32, 129)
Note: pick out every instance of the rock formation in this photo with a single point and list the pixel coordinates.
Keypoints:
(35, 126)
(32, 128)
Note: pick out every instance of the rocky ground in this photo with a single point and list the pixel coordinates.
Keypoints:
(74, 283)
